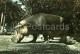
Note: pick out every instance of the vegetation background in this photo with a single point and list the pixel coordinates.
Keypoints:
(13, 12)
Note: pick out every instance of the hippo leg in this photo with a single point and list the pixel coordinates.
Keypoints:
(63, 39)
(45, 38)
(77, 38)
(67, 40)
(34, 38)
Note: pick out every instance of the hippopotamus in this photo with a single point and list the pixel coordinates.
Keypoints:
(46, 24)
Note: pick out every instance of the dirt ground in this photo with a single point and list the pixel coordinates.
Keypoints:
(8, 47)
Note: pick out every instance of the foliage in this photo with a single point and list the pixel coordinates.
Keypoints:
(58, 7)
(13, 12)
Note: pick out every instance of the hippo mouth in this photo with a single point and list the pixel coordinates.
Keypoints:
(17, 37)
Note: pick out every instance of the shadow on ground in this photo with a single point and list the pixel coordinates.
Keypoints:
(40, 48)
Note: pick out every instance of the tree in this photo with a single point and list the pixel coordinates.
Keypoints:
(10, 13)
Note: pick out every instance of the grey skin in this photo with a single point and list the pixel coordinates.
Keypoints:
(25, 27)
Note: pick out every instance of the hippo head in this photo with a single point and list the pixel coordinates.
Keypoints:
(19, 34)
(20, 30)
